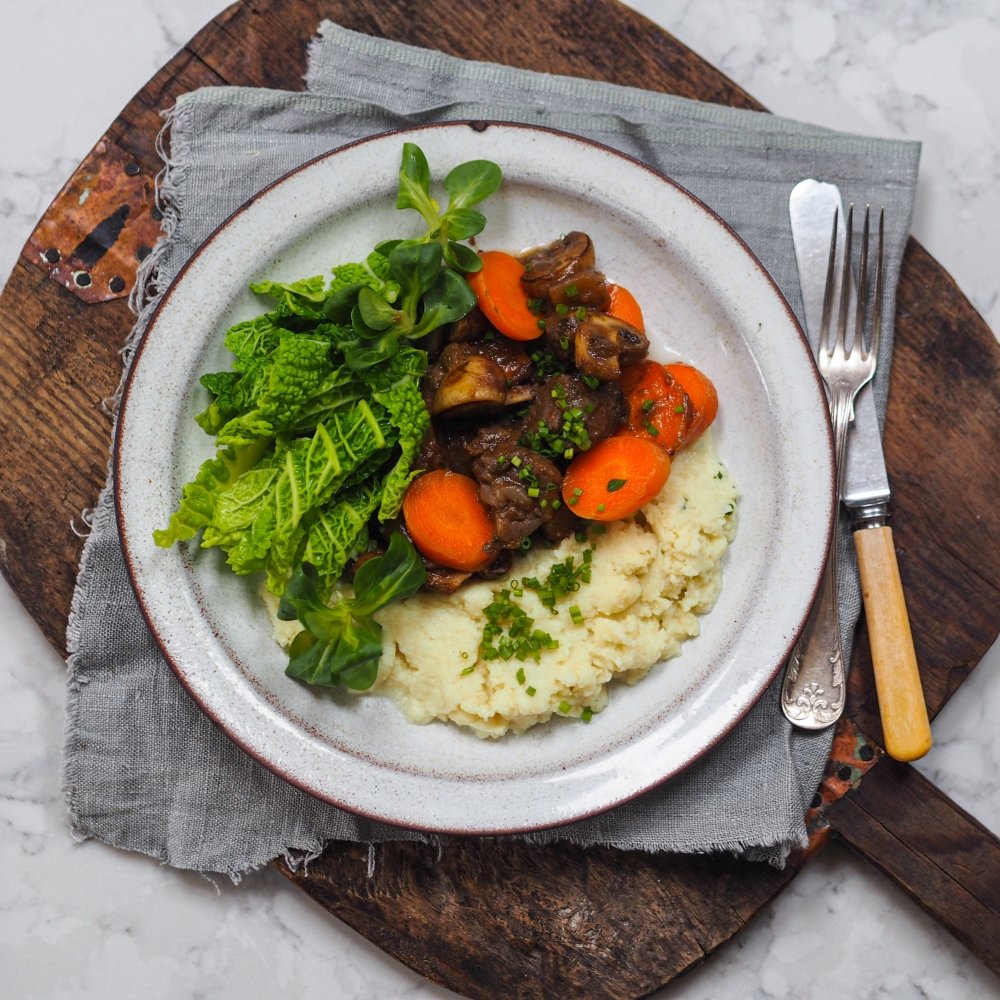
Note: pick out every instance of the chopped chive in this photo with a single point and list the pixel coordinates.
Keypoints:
(592, 381)
(587, 714)
(581, 313)
(562, 308)
(520, 675)
(647, 405)
(650, 429)
(680, 408)
(468, 669)
(576, 614)
(601, 508)
(571, 291)
(530, 691)
(614, 485)
(564, 707)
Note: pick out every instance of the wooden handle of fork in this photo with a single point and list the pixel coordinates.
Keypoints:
(905, 726)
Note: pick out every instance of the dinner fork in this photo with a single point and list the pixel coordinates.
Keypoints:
(814, 688)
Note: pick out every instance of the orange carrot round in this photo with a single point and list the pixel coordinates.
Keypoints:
(615, 478)
(447, 521)
(701, 392)
(624, 307)
(501, 296)
(658, 407)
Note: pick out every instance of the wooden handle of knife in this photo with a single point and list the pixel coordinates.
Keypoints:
(905, 725)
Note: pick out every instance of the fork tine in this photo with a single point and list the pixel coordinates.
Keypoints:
(858, 341)
(828, 292)
(845, 283)
(879, 285)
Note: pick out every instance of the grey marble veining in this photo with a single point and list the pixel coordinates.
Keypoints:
(85, 921)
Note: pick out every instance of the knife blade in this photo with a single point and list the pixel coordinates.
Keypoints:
(865, 491)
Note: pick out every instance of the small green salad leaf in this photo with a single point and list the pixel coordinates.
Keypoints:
(426, 286)
(318, 421)
(342, 644)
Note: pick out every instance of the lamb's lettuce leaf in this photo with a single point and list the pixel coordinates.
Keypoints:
(342, 644)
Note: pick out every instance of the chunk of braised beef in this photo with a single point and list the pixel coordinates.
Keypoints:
(471, 326)
(559, 337)
(511, 358)
(564, 273)
(601, 409)
(604, 344)
(463, 442)
(499, 567)
(508, 476)
(562, 524)
(430, 455)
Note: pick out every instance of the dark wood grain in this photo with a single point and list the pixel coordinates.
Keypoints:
(506, 921)
(940, 855)
(492, 919)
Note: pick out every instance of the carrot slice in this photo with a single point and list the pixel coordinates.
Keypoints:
(658, 407)
(615, 478)
(701, 392)
(501, 296)
(624, 307)
(447, 521)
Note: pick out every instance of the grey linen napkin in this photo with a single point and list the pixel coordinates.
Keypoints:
(144, 769)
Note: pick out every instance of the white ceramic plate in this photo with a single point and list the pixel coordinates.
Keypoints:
(707, 299)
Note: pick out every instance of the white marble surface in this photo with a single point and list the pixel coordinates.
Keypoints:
(86, 921)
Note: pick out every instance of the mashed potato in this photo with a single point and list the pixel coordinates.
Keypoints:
(651, 578)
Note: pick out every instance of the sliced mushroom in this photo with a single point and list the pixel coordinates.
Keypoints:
(604, 344)
(582, 288)
(474, 385)
(555, 263)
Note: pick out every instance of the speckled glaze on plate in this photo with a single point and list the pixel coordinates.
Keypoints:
(706, 298)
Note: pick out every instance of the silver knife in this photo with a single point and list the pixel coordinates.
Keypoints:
(866, 494)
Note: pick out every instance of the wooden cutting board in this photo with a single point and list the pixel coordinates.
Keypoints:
(489, 918)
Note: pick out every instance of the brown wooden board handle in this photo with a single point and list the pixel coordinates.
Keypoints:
(941, 857)
(902, 706)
